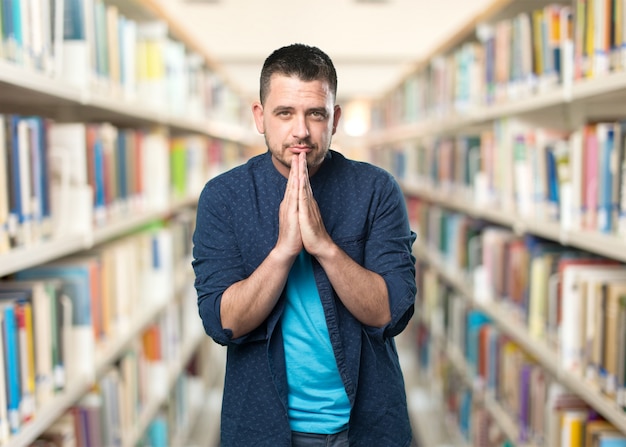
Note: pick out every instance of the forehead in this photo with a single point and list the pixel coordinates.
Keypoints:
(285, 88)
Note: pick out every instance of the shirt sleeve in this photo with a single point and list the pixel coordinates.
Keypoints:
(217, 262)
(389, 253)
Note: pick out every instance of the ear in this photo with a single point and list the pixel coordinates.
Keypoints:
(336, 117)
(257, 113)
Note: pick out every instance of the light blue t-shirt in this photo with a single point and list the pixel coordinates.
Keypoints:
(317, 399)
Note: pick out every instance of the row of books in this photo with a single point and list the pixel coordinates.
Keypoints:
(58, 317)
(513, 58)
(488, 379)
(574, 179)
(22, 42)
(67, 178)
(110, 414)
(569, 303)
(572, 300)
(94, 45)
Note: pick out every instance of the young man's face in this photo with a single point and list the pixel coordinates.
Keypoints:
(298, 116)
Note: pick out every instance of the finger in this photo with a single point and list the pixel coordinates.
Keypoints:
(302, 161)
(305, 186)
(292, 180)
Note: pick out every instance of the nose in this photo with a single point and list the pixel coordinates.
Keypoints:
(300, 128)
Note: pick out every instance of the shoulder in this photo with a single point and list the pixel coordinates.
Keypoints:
(363, 172)
(243, 170)
(235, 178)
(221, 190)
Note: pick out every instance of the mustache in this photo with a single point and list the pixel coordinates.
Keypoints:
(300, 143)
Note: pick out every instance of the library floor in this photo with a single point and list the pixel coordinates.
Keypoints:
(429, 428)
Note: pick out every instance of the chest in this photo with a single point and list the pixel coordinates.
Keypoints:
(347, 214)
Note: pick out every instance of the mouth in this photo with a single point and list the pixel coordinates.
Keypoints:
(298, 148)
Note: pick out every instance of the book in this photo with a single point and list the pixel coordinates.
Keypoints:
(562, 161)
(44, 299)
(576, 258)
(70, 195)
(621, 354)
(579, 40)
(566, 44)
(4, 417)
(12, 364)
(540, 382)
(596, 428)
(595, 284)
(155, 160)
(74, 54)
(591, 180)
(606, 201)
(128, 62)
(572, 218)
(35, 132)
(607, 440)
(112, 19)
(151, 78)
(521, 173)
(77, 286)
(475, 320)
(158, 431)
(614, 341)
(540, 300)
(23, 314)
(574, 332)
(4, 189)
(89, 409)
(620, 176)
(541, 268)
(572, 428)
(554, 193)
(524, 409)
(21, 217)
(111, 389)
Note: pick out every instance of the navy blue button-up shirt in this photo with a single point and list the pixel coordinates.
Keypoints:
(237, 226)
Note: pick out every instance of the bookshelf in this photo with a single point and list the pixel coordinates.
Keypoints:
(508, 143)
(112, 119)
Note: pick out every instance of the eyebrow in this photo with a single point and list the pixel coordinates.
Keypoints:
(321, 110)
(280, 109)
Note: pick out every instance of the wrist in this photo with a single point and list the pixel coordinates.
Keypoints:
(325, 251)
(281, 258)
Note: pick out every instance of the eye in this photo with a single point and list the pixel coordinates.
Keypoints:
(318, 115)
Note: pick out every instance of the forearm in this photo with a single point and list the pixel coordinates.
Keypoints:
(247, 303)
(363, 292)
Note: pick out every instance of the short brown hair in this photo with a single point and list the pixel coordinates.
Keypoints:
(306, 62)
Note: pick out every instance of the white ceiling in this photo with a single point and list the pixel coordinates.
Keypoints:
(372, 42)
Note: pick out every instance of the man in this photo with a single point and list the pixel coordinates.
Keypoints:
(304, 270)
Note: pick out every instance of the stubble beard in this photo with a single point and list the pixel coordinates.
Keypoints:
(311, 163)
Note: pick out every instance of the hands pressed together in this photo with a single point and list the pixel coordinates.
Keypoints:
(300, 222)
(246, 303)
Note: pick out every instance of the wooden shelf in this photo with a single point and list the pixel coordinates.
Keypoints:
(25, 91)
(611, 246)
(595, 96)
(28, 92)
(547, 357)
(106, 354)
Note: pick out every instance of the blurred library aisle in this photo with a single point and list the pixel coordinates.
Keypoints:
(429, 423)
(207, 427)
